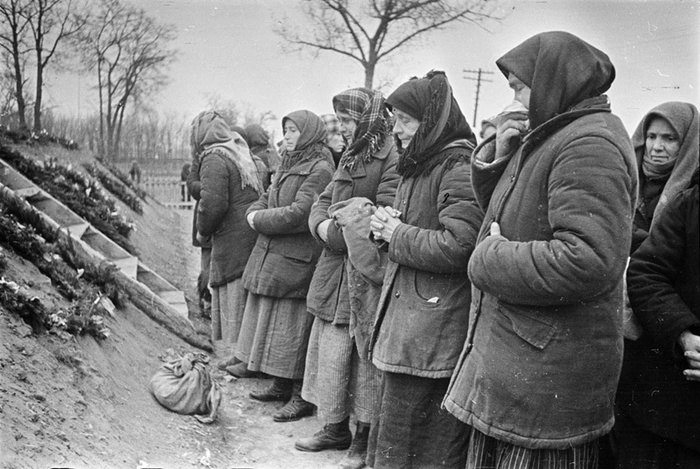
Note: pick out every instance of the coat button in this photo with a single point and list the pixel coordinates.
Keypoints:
(397, 294)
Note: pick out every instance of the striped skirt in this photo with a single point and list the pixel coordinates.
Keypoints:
(337, 379)
(486, 452)
(227, 304)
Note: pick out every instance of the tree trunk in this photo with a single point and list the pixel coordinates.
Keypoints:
(369, 74)
(19, 88)
(39, 92)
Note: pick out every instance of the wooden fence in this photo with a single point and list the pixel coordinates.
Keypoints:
(169, 191)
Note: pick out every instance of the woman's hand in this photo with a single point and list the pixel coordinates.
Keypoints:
(691, 347)
(250, 219)
(509, 133)
(322, 230)
(383, 223)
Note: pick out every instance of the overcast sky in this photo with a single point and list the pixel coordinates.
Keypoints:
(227, 48)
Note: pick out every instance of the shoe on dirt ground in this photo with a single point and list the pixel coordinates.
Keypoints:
(295, 409)
(333, 436)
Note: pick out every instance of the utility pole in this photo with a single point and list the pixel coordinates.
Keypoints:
(478, 80)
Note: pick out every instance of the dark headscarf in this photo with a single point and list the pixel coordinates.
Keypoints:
(684, 119)
(311, 143)
(366, 108)
(256, 135)
(560, 69)
(430, 101)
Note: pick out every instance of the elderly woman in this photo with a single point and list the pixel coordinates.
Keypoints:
(423, 310)
(229, 184)
(276, 326)
(339, 378)
(666, 144)
(544, 347)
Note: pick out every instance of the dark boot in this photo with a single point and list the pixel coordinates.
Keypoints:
(240, 370)
(280, 390)
(333, 436)
(355, 457)
(296, 408)
(230, 361)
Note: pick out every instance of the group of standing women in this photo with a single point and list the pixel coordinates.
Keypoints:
(462, 304)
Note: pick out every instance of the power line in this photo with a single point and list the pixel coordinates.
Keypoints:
(478, 80)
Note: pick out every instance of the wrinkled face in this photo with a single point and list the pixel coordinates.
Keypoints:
(405, 127)
(520, 89)
(347, 125)
(662, 142)
(291, 135)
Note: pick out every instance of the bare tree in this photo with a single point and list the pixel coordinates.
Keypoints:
(371, 30)
(129, 51)
(51, 22)
(13, 36)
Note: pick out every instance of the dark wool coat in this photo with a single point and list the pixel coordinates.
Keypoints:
(544, 348)
(194, 186)
(221, 215)
(663, 281)
(285, 254)
(423, 310)
(377, 181)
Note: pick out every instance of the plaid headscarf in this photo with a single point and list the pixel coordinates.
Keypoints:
(366, 107)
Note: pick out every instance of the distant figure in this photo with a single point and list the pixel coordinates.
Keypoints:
(334, 139)
(184, 191)
(135, 172)
(259, 143)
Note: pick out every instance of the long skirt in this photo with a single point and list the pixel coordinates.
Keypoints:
(274, 335)
(227, 304)
(486, 452)
(413, 431)
(337, 379)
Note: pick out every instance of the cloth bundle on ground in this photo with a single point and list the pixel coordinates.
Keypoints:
(186, 387)
(365, 268)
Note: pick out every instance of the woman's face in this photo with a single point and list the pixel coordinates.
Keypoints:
(661, 141)
(347, 125)
(520, 89)
(405, 127)
(336, 142)
(291, 135)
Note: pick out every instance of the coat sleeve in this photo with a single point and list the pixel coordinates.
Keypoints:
(194, 186)
(213, 204)
(448, 249)
(319, 210)
(386, 190)
(653, 271)
(590, 200)
(485, 176)
(294, 218)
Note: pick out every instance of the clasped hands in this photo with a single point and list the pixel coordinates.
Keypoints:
(690, 343)
(383, 222)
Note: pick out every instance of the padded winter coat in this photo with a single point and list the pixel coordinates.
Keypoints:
(221, 215)
(377, 180)
(544, 349)
(285, 254)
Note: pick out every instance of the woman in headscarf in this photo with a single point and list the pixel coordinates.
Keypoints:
(658, 421)
(424, 306)
(259, 143)
(276, 326)
(544, 348)
(228, 185)
(339, 378)
(666, 143)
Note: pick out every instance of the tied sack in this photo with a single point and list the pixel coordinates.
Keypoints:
(186, 387)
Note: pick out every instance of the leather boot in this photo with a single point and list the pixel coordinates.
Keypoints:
(280, 390)
(296, 408)
(230, 361)
(355, 457)
(240, 370)
(333, 436)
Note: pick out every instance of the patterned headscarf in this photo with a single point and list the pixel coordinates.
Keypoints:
(211, 133)
(430, 101)
(366, 107)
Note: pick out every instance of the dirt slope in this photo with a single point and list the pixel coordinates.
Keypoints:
(83, 403)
